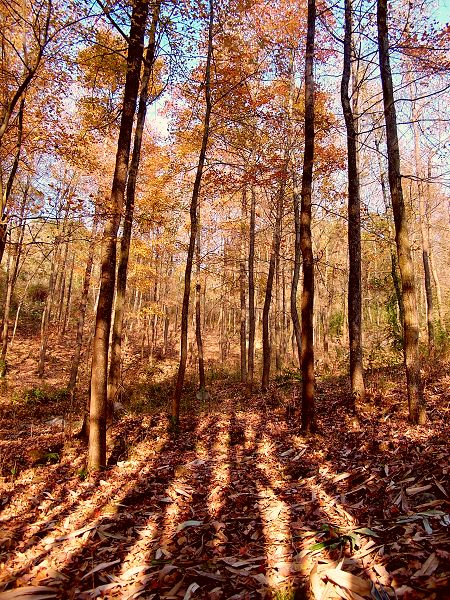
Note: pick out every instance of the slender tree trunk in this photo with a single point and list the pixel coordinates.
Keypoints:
(13, 272)
(46, 313)
(354, 224)
(423, 229)
(119, 307)
(434, 272)
(276, 240)
(242, 286)
(194, 225)
(251, 293)
(66, 315)
(198, 316)
(392, 250)
(307, 357)
(5, 194)
(296, 202)
(411, 322)
(82, 307)
(98, 402)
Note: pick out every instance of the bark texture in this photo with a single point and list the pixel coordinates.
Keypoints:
(354, 224)
(417, 412)
(307, 356)
(98, 399)
(116, 342)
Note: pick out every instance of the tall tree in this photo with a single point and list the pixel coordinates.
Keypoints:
(116, 342)
(275, 250)
(307, 356)
(98, 399)
(354, 222)
(251, 291)
(194, 224)
(417, 412)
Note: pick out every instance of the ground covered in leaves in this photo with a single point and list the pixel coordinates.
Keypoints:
(237, 506)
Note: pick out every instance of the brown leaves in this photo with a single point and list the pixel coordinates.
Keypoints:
(200, 517)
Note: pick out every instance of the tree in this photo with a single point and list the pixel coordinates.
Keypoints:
(354, 222)
(98, 399)
(307, 356)
(193, 212)
(116, 342)
(417, 412)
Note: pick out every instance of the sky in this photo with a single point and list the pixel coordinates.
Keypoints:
(443, 11)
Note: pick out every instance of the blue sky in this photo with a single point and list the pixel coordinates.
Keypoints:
(443, 11)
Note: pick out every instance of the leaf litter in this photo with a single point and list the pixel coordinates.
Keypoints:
(240, 505)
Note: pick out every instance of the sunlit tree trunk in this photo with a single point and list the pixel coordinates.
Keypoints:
(411, 322)
(307, 356)
(251, 292)
(354, 224)
(198, 316)
(68, 304)
(242, 286)
(194, 225)
(296, 201)
(98, 399)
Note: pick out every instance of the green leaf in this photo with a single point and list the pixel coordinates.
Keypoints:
(366, 531)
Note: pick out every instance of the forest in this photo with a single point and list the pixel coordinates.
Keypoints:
(224, 299)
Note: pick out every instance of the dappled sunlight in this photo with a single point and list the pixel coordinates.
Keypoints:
(220, 475)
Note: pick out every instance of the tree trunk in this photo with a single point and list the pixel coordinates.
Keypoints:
(12, 273)
(392, 250)
(82, 307)
(119, 307)
(5, 194)
(98, 401)
(423, 228)
(354, 224)
(46, 312)
(296, 201)
(307, 357)
(194, 225)
(66, 315)
(276, 240)
(251, 293)
(242, 286)
(411, 322)
(198, 316)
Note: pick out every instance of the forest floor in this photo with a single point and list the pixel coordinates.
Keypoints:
(238, 506)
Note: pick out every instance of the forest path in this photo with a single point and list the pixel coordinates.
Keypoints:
(239, 505)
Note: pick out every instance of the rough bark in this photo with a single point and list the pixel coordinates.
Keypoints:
(98, 398)
(307, 356)
(354, 224)
(119, 307)
(193, 228)
(417, 412)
